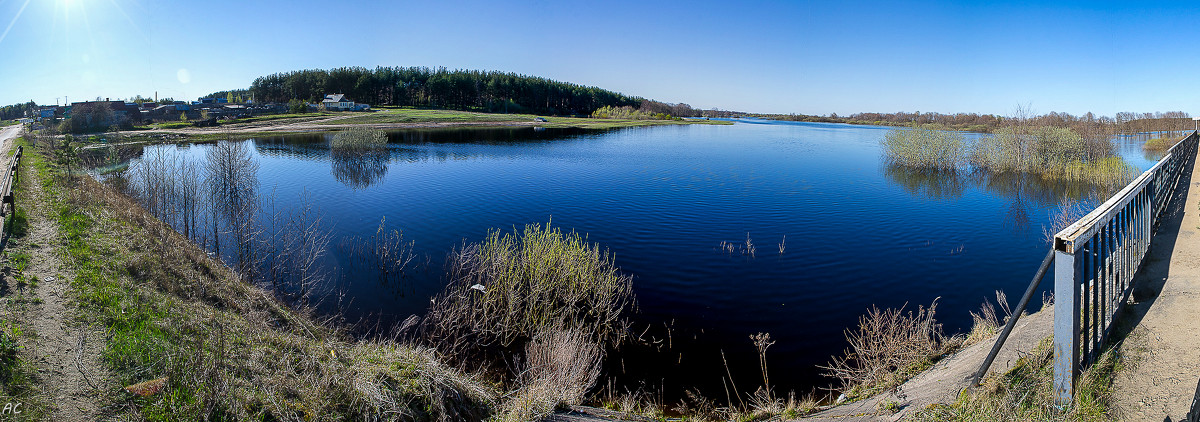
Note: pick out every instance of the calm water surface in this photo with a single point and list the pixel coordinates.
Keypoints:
(663, 199)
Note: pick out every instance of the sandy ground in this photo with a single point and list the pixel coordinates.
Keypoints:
(1161, 350)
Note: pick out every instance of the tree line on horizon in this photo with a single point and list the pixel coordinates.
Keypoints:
(1125, 122)
(490, 91)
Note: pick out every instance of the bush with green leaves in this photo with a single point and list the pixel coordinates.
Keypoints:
(508, 288)
(924, 146)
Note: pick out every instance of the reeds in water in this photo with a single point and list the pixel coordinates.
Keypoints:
(1052, 152)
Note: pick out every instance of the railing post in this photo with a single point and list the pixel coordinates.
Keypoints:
(1067, 286)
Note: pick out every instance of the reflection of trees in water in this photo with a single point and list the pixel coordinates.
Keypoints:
(1023, 190)
(929, 183)
(359, 168)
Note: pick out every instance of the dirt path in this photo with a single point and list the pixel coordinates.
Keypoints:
(65, 352)
(1161, 349)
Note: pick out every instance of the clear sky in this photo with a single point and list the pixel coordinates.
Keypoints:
(811, 57)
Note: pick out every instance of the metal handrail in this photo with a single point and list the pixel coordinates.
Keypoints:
(1123, 229)
(9, 183)
(1012, 320)
(1096, 257)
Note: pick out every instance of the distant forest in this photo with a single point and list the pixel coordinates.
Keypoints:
(491, 91)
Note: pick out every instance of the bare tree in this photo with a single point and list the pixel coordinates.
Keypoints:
(232, 176)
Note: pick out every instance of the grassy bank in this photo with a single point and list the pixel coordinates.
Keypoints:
(208, 344)
(217, 348)
(418, 116)
(1026, 393)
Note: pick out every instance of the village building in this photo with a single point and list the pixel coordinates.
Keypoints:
(339, 102)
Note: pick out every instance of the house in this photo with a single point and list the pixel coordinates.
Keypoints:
(337, 102)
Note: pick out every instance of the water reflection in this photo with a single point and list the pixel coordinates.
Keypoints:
(1025, 192)
(1022, 187)
(929, 183)
(360, 169)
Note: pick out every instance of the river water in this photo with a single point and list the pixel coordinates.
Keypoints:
(835, 230)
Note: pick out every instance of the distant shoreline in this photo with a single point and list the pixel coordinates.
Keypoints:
(389, 119)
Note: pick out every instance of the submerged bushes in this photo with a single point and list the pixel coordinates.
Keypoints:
(551, 295)
(924, 146)
(1052, 152)
(1159, 145)
(359, 156)
(359, 138)
(510, 288)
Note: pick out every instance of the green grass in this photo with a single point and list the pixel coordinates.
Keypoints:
(410, 115)
(1026, 393)
(229, 351)
(4, 123)
(18, 221)
(296, 117)
(418, 116)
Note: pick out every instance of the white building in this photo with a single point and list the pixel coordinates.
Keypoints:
(338, 102)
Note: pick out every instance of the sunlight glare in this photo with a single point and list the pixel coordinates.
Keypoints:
(13, 21)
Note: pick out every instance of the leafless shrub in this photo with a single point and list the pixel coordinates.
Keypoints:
(888, 347)
(1068, 212)
(295, 249)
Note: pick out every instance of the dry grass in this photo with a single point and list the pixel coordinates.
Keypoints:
(561, 366)
(987, 322)
(1026, 393)
(229, 350)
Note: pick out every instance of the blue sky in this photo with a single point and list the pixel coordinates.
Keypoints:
(812, 57)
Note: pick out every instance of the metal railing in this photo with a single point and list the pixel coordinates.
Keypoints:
(1096, 258)
(8, 183)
